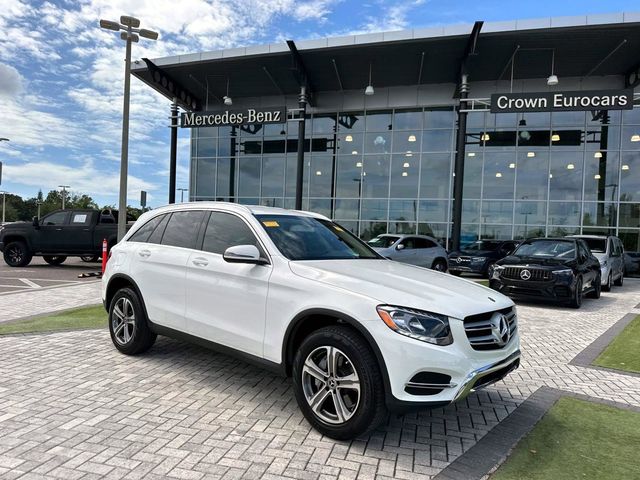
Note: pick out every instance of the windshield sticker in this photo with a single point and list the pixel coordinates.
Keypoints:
(270, 223)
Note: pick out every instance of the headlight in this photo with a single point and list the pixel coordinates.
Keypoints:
(426, 326)
(494, 271)
(566, 272)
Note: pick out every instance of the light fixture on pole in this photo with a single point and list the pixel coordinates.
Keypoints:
(369, 90)
(130, 32)
(227, 99)
(64, 193)
(552, 79)
(182, 190)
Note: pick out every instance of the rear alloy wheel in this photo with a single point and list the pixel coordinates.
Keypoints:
(17, 254)
(439, 265)
(607, 286)
(128, 325)
(54, 259)
(576, 301)
(338, 384)
(620, 280)
(597, 288)
(89, 258)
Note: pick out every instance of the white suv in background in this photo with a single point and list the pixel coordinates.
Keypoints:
(293, 291)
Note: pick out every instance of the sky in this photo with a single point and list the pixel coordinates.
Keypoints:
(61, 76)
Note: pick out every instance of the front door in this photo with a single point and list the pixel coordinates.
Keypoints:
(51, 237)
(226, 302)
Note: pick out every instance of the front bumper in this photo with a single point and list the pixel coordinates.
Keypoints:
(467, 266)
(556, 290)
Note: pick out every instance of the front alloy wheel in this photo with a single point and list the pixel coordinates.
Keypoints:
(128, 323)
(331, 385)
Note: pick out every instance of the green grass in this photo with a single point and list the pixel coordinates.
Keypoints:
(86, 317)
(484, 282)
(577, 440)
(623, 353)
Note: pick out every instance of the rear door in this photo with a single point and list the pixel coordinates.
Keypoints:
(226, 302)
(159, 266)
(426, 252)
(616, 257)
(78, 233)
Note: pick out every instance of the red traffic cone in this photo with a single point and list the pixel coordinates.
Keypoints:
(104, 254)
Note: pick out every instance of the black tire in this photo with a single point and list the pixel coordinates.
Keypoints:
(90, 258)
(137, 336)
(369, 410)
(607, 286)
(597, 288)
(439, 265)
(485, 272)
(620, 281)
(17, 254)
(54, 259)
(576, 301)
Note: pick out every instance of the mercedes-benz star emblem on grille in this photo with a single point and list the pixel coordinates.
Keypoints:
(525, 274)
(458, 259)
(500, 329)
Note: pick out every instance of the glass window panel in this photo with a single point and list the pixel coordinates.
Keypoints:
(227, 146)
(630, 215)
(469, 233)
(194, 146)
(249, 201)
(441, 118)
(564, 213)
(472, 176)
(272, 202)
(435, 175)
(495, 232)
(406, 141)
(531, 213)
(433, 210)
(502, 120)
(402, 227)
(206, 178)
(565, 182)
(369, 230)
(351, 226)
(347, 209)
(321, 206)
(532, 175)
(375, 182)
(614, 117)
(601, 176)
(631, 117)
(498, 178)
(249, 176)
(631, 138)
(274, 146)
(274, 129)
(272, 177)
(475, 121)
(435, 230)
(225, 183)
(374, 209)
(403, 210)
(377, 142)
(348, 176)
(206, 132)
(599, 214)
(351, 122)
(321, 176)
(324, 123)
(535, 119)
(225, 230)
(349, 143)
(207, 147)
(404, 176)
(437, 140)
(631, 241)
(378, 121)
(568, 118)
(630, 177)
(520, 232)
(291, 163)
(603, 138)
(470, 211)
(227, 131)
(408, 120)
(598, 231)
(497, 212)
(250, 131)
(182, 229)
(562, 231)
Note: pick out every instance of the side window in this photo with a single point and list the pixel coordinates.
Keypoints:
(143, 233)
(156, 236)
(583, 250)
(81, 218)
(424, 243)
(57, 218)
(225, 230)
(182, 229)
(409, 243)
(611, 247)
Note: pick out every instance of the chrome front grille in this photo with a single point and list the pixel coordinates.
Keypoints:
(484, 330)
(536, 274)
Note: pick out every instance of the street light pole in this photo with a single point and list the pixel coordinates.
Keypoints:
(129, 31)
(182, 190)
(64, 193)
(3, 205)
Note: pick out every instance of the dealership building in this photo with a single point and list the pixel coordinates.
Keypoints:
(538, 115)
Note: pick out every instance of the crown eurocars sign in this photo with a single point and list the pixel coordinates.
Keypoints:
(562, 101)
(234, 117)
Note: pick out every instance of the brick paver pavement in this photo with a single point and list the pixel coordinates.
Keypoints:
(72, 407)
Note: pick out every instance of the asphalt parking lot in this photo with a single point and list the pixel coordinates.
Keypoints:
(38, 274)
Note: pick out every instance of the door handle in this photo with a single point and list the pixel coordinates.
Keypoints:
(144, 253)
(200, 262)
(58, 229)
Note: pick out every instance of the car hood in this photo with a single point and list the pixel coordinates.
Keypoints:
(405, 285)
(472, 253)
(551, 263)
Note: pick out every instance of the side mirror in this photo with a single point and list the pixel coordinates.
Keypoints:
(400, 247)
(243, 254)
(36, 222)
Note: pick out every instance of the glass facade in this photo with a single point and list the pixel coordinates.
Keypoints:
(531, 174)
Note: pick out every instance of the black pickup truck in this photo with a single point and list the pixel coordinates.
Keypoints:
(58, 235)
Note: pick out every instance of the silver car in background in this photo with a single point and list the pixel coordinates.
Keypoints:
(417, 250)
(610, 253)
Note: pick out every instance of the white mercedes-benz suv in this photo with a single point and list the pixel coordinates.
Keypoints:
(292, 291)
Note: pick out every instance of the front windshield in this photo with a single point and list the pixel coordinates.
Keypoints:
(309, 238)
(383, 241)
(481, 245)
(596, 245)
(564, 249)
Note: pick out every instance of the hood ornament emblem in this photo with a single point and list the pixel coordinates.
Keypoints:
(525, 274)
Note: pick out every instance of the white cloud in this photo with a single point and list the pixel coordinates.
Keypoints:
(393, 16)
(11, 82)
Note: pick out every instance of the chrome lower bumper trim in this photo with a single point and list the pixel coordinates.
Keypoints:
(467, 386)
(430, 385)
